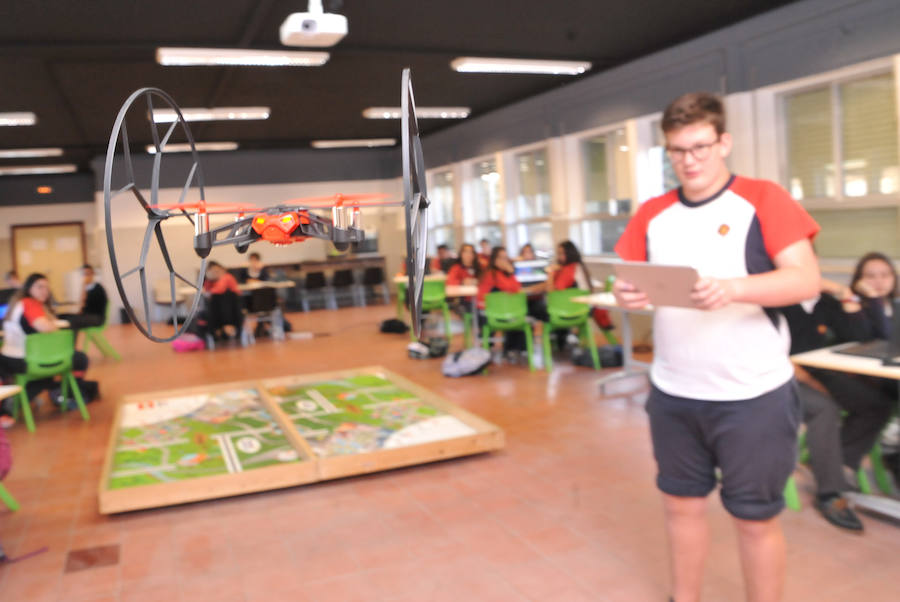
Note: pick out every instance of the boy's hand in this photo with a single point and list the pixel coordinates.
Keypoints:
(628, 296)
(713, 293)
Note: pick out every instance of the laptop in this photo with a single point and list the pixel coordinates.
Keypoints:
(887, 351)
(531, 271)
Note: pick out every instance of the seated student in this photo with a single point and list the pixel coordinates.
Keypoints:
(93, 303)
(466, 269)
(874, 282)
(28, 314)
(443, 260)
(255, 271)
(569, 270)
(223, 308)
(526, 253)
(500, 276)
(484, 252)
(11, 280)
(833, 444)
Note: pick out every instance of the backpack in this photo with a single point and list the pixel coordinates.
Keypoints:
(394, 325)
(467, 362)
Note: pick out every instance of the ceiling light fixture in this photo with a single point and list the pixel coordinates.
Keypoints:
(27, 153)
(216, 114)
(21, 118)
(471, 64)
(38, 169)
(200, 146)
(421, 112)
(362, 142)
(239, 57)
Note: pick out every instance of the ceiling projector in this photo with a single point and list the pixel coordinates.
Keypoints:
(313, 28)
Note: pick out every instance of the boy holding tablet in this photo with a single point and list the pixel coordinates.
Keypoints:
(722, 392)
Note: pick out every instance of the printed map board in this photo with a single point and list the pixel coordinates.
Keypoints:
(228, 439)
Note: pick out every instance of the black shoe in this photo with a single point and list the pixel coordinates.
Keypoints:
(838, 512)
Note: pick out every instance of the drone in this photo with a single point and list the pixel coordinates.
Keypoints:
(290, 222)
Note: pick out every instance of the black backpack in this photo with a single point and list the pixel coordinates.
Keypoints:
(393, 325)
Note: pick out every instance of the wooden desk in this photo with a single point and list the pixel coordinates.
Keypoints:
(630, 366)
(9, 390)
(827, 359)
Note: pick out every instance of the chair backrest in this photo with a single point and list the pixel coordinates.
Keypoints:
(262, 300)
(505, 306)
(315, 280)
(342, 278)
(433, 291)
(561, 306)
(373, 275)
(49, 351)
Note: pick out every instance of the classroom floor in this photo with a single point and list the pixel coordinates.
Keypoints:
(567, 512)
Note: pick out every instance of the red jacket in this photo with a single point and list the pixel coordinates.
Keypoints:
(495, 280)
(459, 274)
(564, 277)
(225, 283)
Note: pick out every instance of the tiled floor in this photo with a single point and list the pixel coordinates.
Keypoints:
(567, 512)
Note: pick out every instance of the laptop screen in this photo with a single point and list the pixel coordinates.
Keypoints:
(531, 270)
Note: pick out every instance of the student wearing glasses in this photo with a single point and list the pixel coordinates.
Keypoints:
(721, 380)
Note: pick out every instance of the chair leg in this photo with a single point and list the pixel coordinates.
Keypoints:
(588, 335)
(26, 407)
(64, 393)
(881, 473)
(447, 330)
(545, 343)
(862, 480)
(610, 337)
(8, 499)
(791, 496)
(76, 392)
(102, 344)
(486, 337)
(467, 330)
(529, 344)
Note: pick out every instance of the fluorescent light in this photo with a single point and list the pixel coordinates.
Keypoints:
(200, 146)
(239, 57)
(23, 153)
(471, 64)
(216, 114)
(37, 169)
(363, 142)
(421, 112)
(18, 118)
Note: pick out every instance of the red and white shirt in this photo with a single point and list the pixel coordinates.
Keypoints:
(739, 351)
(19, 324)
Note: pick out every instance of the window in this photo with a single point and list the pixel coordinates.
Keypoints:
(850, 124)
(529, 214)
(607, 184)
(483, 203)
(440, 212)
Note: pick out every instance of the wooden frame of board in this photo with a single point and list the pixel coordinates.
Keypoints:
(310, 467)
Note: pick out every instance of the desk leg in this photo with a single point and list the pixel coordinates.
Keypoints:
(476, 331)
(630, 366)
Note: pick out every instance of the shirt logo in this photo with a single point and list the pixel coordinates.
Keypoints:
(724, 229)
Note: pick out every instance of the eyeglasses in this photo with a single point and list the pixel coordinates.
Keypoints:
(699, 152)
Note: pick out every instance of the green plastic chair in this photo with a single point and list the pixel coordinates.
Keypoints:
(94, 334)
(791, 495)
(434, 296)
(565, 314)
(401, 299)
(8, 499)
(504, 312)
(49, 354)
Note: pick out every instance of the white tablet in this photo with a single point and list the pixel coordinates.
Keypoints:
(665, 285)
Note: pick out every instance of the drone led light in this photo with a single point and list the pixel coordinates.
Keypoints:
(471, 64)
(25, 170)
(358, 143)
(200, 146)
(421, 112)
(28, 153)
(20, 118)
(216, 114)
(239, 57)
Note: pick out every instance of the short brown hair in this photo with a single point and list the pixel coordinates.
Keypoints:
(693, 108)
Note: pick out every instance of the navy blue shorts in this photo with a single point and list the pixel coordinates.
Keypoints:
(753, 442)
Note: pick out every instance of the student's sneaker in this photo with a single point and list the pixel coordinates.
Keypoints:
(838, 512)
(7, 421)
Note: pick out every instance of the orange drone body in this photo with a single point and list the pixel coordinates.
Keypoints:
(278, 229)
